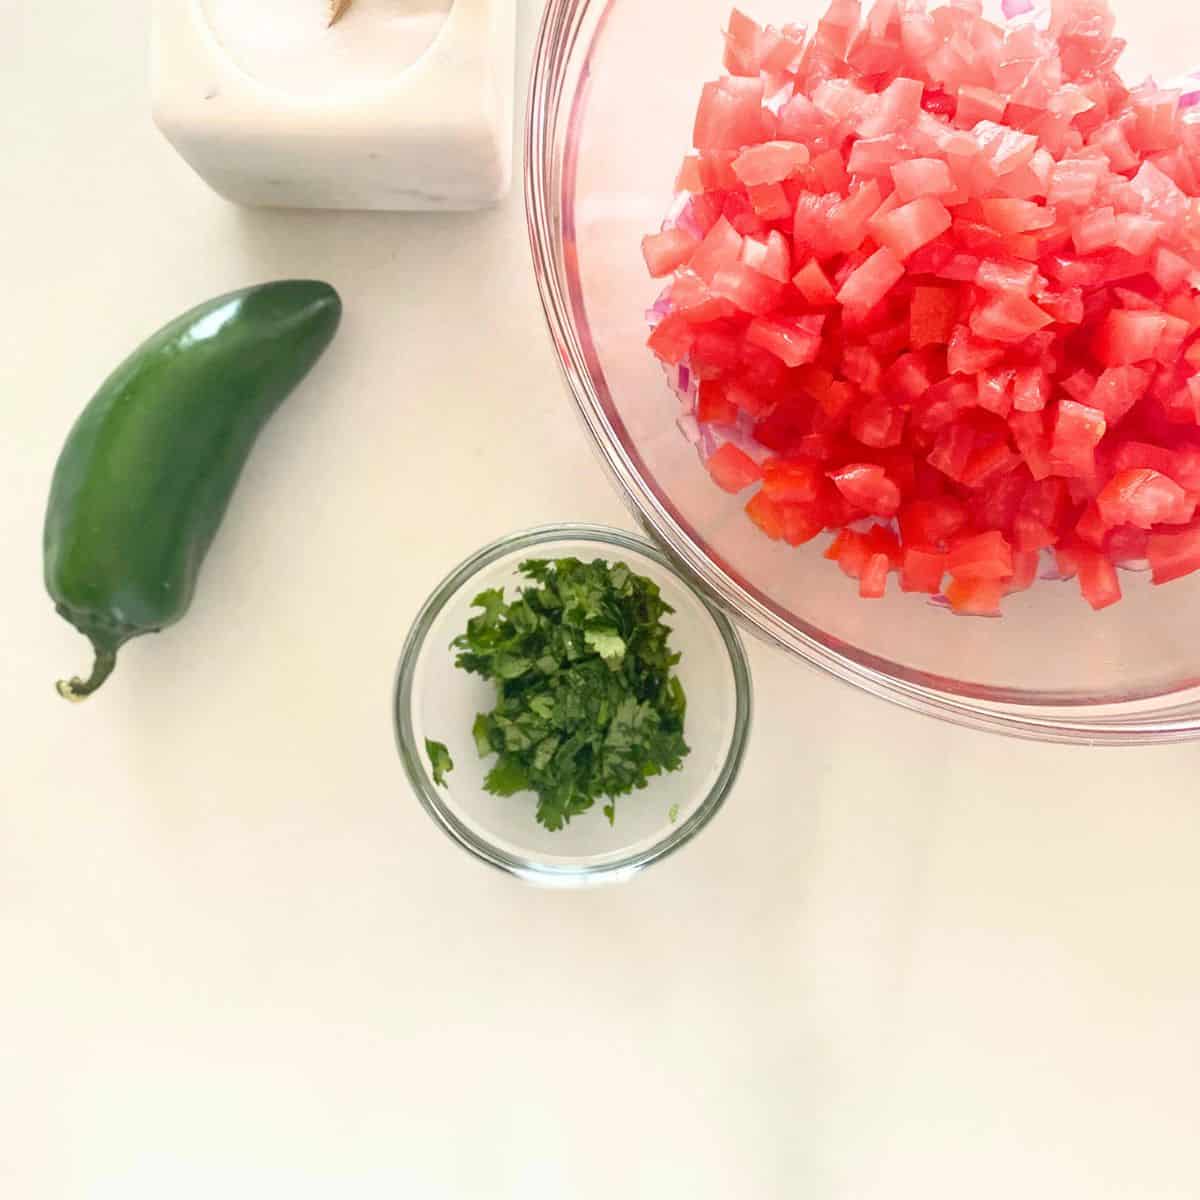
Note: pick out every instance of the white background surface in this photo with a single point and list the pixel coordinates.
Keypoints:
(237, 959)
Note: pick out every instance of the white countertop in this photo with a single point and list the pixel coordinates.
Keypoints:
(239, 960)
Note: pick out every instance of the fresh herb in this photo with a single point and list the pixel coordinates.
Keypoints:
(586, 703)
(673, 813)
(439, 760)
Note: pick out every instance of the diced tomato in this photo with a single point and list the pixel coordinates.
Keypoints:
(732, 468)
(800, 120)
(1004, 149)
(1073, 182)
(1066, 559)
(868, 285)
(881, 540)
(1136, 233)
(801, 522)
(867, 487)
(1143, 455)
(1092, 528)
(908, 377)
(813, 284)
(1117, 391)
(770, 162)
(770, 201)
(713, 407)
(1009, 317)
(931, 522)
(984, 556)
(743, 45)
(1097, 578)
(665, 251)
(1126, 545)
(922, 177)
(932, 314)
(977, 104)
(766, 514)
(923, 570)
(810, 225)
(782, 49)
(995, 390)
(1065, 305)
(849, 218)
(1144, 498)
(711, 171)
(1007, 216)
(720, 250)
(730, 114)
(829, 171)
(1170, 345)
(755, 403)
(1077, 432)
(1080, 385)
(940, 259)
(1029, 434)
(948, 271)
(746, 289)
(976, 597)
(1095, 230)
(795, 342)
(692, 299)
(968, 355)
(715, 353)
(952, 450)
(1031, 534)
(770, 256)
(996, 501)
(1128, 337)
(911, 226)
(850, 551)
(672, 338)
(875, 157)
(872, 583)
(1185, 468)
(1031, 389)
(791, 482)
(1155, 110)
(1171, 269)
(1174, 554)
(1111, 139)
(999, 275)
(879, 423)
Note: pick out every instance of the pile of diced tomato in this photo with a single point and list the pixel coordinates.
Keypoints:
(935, 282)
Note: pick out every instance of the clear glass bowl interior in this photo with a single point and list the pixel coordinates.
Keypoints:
(611, 109)
(436, 700)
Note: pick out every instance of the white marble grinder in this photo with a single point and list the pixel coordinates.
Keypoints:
(399, 105)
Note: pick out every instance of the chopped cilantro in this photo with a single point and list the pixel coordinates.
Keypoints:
(673, 813)
(586, 704)
(439, 760)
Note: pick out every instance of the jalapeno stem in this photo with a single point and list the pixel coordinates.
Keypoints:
(78, 689)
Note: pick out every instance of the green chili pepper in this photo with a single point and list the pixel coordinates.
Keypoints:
(149, 468)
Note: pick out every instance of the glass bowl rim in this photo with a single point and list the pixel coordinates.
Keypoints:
(530, 869)
(552, 105)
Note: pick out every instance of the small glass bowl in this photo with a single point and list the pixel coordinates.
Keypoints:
(435, 700)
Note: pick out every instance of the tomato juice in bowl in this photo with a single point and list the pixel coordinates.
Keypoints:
(1050, 668)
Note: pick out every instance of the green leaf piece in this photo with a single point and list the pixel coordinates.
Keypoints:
(587, 705)
(439, 760)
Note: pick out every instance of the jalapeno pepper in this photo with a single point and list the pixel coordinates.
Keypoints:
(149, 468)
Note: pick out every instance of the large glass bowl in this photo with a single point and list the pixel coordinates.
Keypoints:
(614, 90)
